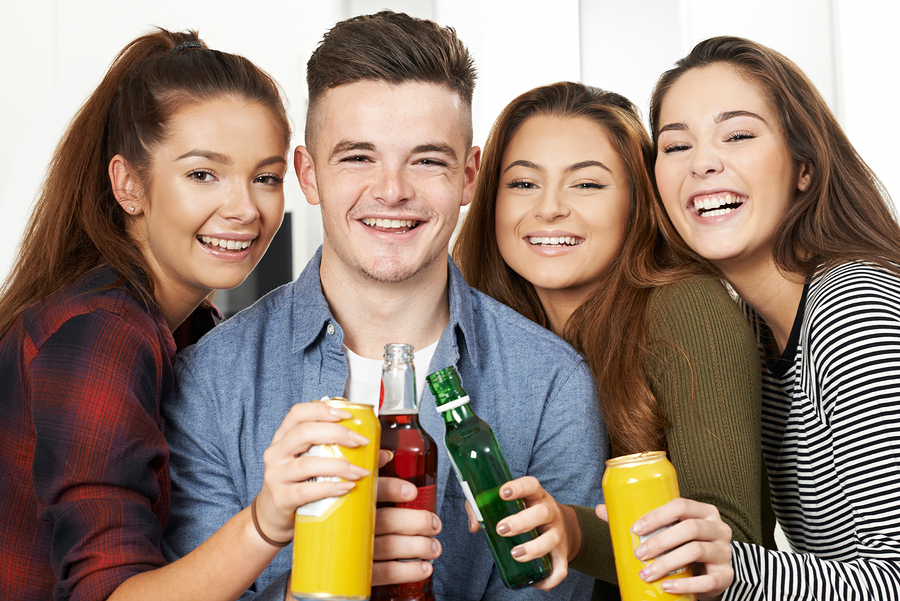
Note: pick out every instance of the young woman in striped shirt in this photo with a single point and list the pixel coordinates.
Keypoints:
(760, 183)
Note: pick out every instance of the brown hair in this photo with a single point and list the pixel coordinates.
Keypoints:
(844, 214)
(609, 326)
(390, 47)
(127, 114)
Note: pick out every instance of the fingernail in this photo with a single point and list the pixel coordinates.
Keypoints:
(345, 486)
(667, 586)
(639, 551)
(426, 568)
(358, 438)
(502, 528)
(406, 490)
(506, 492)
(435, 523)
(646, 573)
(638, 527)
(340, 413)
(518, 551)
(360, 472)
(471, 525)
(435, 547)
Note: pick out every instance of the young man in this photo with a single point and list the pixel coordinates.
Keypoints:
(389, 160)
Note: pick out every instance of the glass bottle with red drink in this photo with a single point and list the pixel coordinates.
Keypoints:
(415, 452)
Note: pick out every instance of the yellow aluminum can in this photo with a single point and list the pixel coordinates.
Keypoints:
(334, 537)
(632, 486)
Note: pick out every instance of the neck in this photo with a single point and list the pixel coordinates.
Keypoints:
(772, 293)
(177, 305)
(559, 306)
(373, 313)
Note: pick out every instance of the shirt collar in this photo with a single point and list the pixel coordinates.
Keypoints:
(311, 315)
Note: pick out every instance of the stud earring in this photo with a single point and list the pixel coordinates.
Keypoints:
(131, 208)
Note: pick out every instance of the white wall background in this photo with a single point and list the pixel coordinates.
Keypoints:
(54, 53)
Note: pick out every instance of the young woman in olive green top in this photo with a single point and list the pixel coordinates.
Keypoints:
(560, 229)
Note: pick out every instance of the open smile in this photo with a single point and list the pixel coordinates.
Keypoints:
(221, 244)
(714, 205)
(554, 241)
(398, 226)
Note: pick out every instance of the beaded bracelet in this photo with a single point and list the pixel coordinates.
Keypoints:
(259, 530)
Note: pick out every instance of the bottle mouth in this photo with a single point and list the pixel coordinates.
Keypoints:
(463, 400)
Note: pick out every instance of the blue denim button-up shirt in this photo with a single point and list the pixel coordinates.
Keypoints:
(236, 385)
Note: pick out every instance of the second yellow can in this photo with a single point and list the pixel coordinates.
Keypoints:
(334, 537)
(632, 486)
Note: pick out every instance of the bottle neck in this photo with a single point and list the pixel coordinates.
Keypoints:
(454, 412)
(398, 391)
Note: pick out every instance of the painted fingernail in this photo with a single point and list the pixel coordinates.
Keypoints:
(639, 551)
(646, 573)
(502, 528)
(518, 551)
(506, 492)
(668, 586)
(358, 471)
(358, 438)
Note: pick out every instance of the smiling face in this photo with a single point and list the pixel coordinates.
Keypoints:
(391, 169)
(724, 170)
(214, 198)
(563, 204)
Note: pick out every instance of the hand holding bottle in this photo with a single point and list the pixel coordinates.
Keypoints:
(560, 533)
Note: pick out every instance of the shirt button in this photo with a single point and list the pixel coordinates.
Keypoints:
(330, 329)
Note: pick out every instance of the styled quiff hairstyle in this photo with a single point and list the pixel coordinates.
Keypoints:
(128, 114)
(393, 48)
(609, 326)
(844, 214)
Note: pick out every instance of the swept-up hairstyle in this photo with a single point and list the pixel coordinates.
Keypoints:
(844, 214)
(393, 48)
(609, 326)
(77, 222)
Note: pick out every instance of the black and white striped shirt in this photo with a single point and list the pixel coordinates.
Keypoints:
(831, 439)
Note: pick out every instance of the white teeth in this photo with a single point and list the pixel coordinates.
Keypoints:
(717, 205)
(225, 244)
(389, 223)
(554, 241)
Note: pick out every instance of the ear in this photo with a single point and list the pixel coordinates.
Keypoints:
(805, 176)
(306, 173)
(473, 162)
(125, 186)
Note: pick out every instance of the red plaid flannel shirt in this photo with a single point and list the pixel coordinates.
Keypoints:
(84, 466)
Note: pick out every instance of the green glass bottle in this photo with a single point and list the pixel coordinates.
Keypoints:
(481, 470)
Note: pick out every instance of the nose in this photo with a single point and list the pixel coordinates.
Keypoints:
(551, 205)
(240, 205)
(391, 185)
(705, 160)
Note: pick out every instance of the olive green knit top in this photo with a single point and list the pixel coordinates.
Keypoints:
(705, 374)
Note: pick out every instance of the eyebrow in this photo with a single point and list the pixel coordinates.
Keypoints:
(345, 146)
(571, 168)
(218, 157)
(439, 148)
(718, 119)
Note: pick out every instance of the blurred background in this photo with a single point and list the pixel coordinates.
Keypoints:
(55, 52)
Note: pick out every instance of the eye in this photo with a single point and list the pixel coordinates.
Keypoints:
(201, 175)
(269, 179)
(358, 158)
(589, 186)
(739, 135)
(521, 184)
(433, 162)
(675, 147)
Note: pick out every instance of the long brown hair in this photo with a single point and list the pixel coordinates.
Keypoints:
(127, 114)
(844, 214)
(609, 326)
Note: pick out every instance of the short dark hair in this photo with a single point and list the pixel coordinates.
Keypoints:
(393, 48)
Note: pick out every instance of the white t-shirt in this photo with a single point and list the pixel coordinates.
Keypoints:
(364, 379)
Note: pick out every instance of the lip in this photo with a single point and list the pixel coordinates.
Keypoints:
(691, 208)
(387, 234)
(231, 256)
(551, 251)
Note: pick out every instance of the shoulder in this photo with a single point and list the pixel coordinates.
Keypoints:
(93, 304)
(697, 304)
(854, 283)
